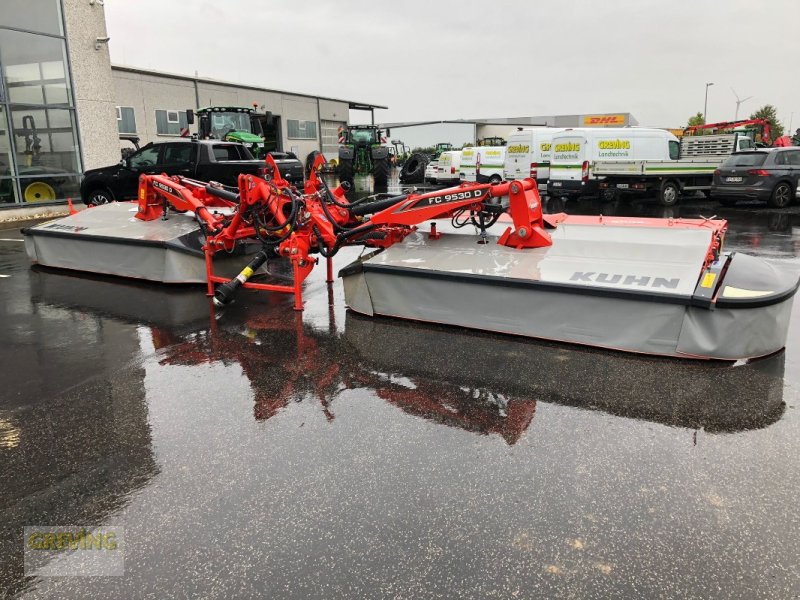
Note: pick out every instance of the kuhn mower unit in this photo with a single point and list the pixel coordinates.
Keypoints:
(659, 286)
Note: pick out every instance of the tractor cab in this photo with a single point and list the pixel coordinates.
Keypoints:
(232, 124)
(362, 135)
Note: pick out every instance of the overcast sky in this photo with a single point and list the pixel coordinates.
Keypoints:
(471, 59)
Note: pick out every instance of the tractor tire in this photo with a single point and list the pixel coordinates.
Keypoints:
(98, 196)
(781, 196)
(380, 171)
(495, 179)
(39, 191)
(670, 193)
(413, 170)
(344, 171)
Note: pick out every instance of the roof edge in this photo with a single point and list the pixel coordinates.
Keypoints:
(351, 103)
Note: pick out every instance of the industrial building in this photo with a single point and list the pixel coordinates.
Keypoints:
(478, 129)
(63, 105)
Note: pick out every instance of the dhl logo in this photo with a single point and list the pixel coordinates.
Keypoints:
(604, 120)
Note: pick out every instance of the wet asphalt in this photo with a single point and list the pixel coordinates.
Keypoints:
(259, 452)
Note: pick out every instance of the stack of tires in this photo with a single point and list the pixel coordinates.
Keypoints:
(413, 170)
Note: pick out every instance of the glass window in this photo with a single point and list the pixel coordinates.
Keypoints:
(794, 158)
(146, 157)
(6, 165)
(126, 119)
(45, 139)
(177, 154)
(746, 159)
(34, 15)
(167, 124)
(302, 130)
(8, 192)
(223, 152)
(674, 149)
(223, 123)
(781, 158)
(34, 68)
(39, 151)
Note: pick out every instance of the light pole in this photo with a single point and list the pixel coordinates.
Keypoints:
(705, 104)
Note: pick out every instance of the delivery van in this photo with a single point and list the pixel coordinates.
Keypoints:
(447, 169)
(483, 164)
(577, 151)
(528, 154)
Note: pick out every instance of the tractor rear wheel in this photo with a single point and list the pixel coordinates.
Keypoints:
(344, 171)
(380, 171)
(413, 170)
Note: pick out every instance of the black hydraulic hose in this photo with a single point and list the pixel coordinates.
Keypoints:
(289, 220)
(290, 226)
(373, 207)
(224, 194)
(336, 227)
(224, 293)
(321, 244)
(342, 237)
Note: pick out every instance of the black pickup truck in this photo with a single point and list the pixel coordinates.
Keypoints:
(205, 160)
(290, 167)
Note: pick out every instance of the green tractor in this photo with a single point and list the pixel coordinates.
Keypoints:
(441, 147)
(361, 153)
(237, 124)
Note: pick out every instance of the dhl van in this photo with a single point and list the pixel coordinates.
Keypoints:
(447, 168)
(528, 154)
(577, 151)
(483, 164)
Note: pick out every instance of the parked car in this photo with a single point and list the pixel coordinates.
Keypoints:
(769, 175)
(430, 171)
(205, 160)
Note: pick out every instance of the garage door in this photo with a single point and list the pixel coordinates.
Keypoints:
(330, 138)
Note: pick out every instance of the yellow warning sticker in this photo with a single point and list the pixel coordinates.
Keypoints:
(247, 272)
(708, 280)
(141, 194)
(733, 292)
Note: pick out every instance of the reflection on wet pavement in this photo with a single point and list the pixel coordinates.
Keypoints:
(261, 452)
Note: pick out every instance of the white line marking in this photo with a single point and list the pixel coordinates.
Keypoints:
(10, 240)
(5, 275)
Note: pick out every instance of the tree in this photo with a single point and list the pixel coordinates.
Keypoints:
(770, 113)
(697, 119)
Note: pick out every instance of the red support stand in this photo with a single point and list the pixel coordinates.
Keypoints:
(329, 264)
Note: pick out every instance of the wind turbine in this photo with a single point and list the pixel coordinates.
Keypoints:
(738, 103)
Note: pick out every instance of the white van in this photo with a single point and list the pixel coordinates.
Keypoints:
(576, 151)
(528, 154)
(483, 164)
(447, 169)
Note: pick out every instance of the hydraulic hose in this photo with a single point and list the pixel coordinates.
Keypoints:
(373, 207)
(224, 194)
(224, 293)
